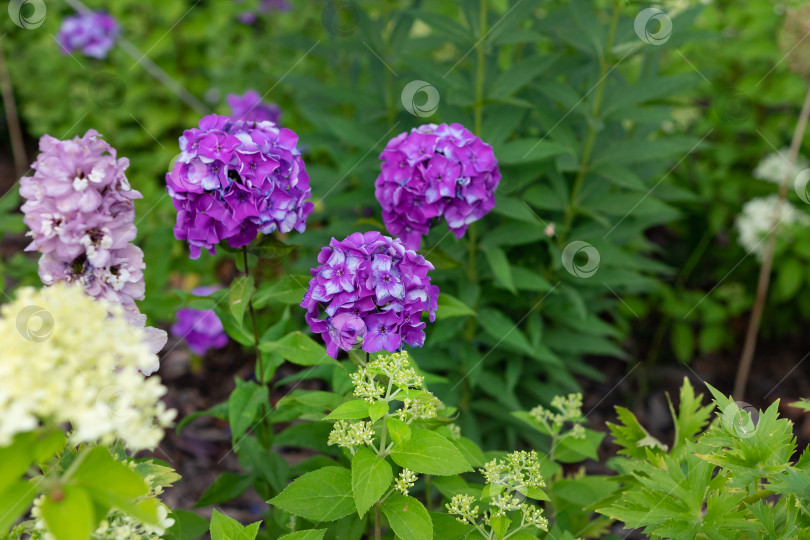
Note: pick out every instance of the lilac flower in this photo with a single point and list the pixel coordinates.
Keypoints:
(92, 32)
(369, 291)
(201, 329)
(79, 208)
(235, 179)
(432, 172)
(251, 107)
(265, 6)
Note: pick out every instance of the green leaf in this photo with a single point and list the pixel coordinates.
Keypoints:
(408, 518)
(450, 306)
(290, 289)
(112, 484)
(269, 247)
(399, 431)
(377, 410)
(322, 495)
(354, 409)
(371, 478)
(632, 436)
(447, 527)
(500, 526)
(268, 465)
(472, 453)
(429, 453)
(70, 514)
(311, 534)
(299, 349)
(227, 528)
(220, 410)
(500, 267)
(683, 341)
(226, 487)
(239, 296)
(14, 502)
(528, 151)
(244, 405)
(691, 417)
(187, 525)
(503, 330)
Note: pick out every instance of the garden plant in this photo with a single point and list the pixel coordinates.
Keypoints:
(349, 269)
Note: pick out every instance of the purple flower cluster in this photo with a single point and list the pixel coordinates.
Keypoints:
(435, 171)
(92, 32)
(251, 108)
(265, 6)
(369, 289)
(81, 215)
(235, 179)
(201, 329)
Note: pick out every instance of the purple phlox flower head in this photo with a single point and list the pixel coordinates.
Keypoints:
(432, 172)
(91, 32)
(235, 179)
(369, 291)
(80, 212)
(265, 6)
(251, 107)
(201, 329)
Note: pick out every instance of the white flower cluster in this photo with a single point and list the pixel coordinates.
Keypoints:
(421, 407)
(405, 481)
(774, 167)
(756, 220)
(398, 371)
(65, 360)
(517, 471)
(570, 410)
(350, 434)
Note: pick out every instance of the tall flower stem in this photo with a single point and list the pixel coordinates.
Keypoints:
(254, 322)
(14, 130)
(479, 75)
(750, 345)
(377, 522)
(568, 216)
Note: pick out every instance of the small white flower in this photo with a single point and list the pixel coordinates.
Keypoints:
(756, 220)
(80, 183)
(96, 175)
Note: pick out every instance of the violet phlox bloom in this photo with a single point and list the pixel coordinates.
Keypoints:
(432, 172)
(251, 107)
(91, 32)
(80, 212)
(235, 179)
(200, 328)
(369, 291)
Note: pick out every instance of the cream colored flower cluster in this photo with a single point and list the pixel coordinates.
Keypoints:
(65, 360)
(756, 221)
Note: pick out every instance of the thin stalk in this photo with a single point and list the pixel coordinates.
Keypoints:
(254, 323)
(750, 345)
(377, 522)
(13, 120)
(591, 137)
(479, 75)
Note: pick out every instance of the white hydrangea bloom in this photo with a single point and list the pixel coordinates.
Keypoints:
(756, 220)
(773, 167)
(66, 361)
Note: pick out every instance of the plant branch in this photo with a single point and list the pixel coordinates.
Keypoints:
(254, 323)
(13, 120)
(763, 282)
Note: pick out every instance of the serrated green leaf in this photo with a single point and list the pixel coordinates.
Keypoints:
(322, 495)
(429, 453)
(371, 478)
(408, 518)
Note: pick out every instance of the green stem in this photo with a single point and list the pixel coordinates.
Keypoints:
(377, 522)
(591, 137)
(254, 322)
(479, 76)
